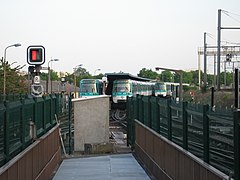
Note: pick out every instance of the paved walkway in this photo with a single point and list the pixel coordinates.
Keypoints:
(110, 167)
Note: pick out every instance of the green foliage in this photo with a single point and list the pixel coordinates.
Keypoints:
(79, 73)
(44, 76)
(15, 83)
(166, 76)
(148, 73)
(53, 76)
(99, 76)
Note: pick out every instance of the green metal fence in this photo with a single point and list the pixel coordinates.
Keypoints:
(213, 136)
(22, 120)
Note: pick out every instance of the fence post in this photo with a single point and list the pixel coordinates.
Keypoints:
(137, 108)
(185, 125)
(128, 120)
(140, 109)
(149, 113)
(169, 112)
(205, 134)
(70, 124)
(236, 119)
(45, 118)
(6, 131)
(157, 115)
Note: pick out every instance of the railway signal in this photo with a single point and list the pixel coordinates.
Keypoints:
(36, 55)
(35, 58)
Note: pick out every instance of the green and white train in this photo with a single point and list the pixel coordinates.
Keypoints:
(126, 87)
(91, 87)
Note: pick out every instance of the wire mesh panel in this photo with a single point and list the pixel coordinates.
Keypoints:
(221, 139)
(39, 116)
(146, 111)
(2, 137)
(195, 129)
(177, 122)
(27, 120)
(154, 113)
(13, 126)
(163, 115)
(47, 112)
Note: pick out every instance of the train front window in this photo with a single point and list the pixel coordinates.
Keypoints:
(121, 88)
(88, 88)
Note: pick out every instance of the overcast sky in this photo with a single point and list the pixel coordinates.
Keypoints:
(115, 35)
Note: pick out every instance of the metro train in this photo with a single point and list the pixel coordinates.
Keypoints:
(91, 87)
(126, 87)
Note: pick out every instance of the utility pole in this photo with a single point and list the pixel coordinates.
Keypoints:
(219, 47)
(205, 60)
(219, 50)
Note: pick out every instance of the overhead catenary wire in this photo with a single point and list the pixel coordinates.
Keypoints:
(227, 13)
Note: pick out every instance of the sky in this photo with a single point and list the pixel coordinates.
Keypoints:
(115, 35)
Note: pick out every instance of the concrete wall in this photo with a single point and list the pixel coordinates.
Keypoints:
(91, 121)
(166, 160)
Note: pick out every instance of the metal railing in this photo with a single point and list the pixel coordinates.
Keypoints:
(23, 119)
(213, 136)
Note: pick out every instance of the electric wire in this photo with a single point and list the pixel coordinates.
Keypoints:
(228, 14)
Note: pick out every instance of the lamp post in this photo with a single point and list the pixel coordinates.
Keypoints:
(49, 75)
(180, 73)
(4, 67)
(96, 71)
(75, 83)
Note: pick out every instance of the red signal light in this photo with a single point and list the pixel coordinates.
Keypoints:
(34, 55)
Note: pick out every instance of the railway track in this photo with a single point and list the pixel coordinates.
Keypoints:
(118, 131)
(119, 116)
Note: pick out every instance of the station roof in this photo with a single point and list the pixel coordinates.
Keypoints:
(113, 76)
(125, 76)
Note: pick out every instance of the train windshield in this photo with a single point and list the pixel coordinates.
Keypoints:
(88, 88)
(160, 86)
(121, 87)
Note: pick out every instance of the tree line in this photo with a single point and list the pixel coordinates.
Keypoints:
(17, 83)
(189, 77)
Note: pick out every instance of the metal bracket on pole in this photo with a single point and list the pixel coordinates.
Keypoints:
(36, 87)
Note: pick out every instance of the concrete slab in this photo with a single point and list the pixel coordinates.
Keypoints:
(111, 167)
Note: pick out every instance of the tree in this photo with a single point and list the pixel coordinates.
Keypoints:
(187, 77)
(15, 83)
(99, 76)
(166, 76)
(148, 73)
(195, 77)
(79, 73)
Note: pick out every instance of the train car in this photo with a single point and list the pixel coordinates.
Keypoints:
(166, 89)
(160, 89)
(126, 87)
(91, 87)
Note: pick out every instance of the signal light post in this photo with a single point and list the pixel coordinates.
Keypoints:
(36, 57)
